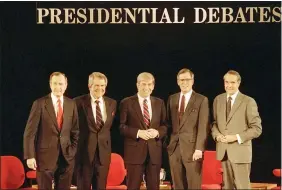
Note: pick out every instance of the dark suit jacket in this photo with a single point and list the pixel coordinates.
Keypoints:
(193, 130)
(89, 136)
(131, 120)
(42, 138)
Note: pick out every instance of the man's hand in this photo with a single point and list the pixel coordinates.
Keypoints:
(144, 134)
(197, 155)
(31, 163)
(230, 138)
(153, 132)
(220, 138)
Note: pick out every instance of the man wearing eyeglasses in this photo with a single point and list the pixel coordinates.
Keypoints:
(188, 116)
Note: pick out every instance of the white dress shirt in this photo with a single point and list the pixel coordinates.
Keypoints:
(101, 105)
(55, 102)
(232, 103)
(187, 98)
(141, 102)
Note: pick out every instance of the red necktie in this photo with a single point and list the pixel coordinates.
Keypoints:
(182, 108)
(99, 120)
(60, 114)
(146, 113)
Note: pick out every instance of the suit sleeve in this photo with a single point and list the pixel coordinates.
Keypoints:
(115, 108)
(169, 123)
(254, 122)
(31, 130)
(125, 129)
(203, 125)
(215, 131)
(75, 128)
(163, 122)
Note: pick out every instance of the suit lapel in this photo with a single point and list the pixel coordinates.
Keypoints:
(88, 110)
(188, 109)
(175, 108)
(51, 110)
(138, 110)
(66, 112)
(223, 103)
(235, 106)
(108, 110)
(153, 106)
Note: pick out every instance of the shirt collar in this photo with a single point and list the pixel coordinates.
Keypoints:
(142, 99)
(93, 99)
(55, 98)
(233, 96)
(188, 94)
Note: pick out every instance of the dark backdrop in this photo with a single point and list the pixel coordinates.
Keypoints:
(30, 52)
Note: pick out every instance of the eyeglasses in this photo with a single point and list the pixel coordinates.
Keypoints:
(185, 80)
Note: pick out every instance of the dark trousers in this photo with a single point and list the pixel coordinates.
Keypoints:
(62, 175)
(94, 174)
(185, 175)
(135, 175)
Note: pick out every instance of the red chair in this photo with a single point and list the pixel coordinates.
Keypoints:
(277, 173)
(117, 173)
(12, 173)
(211, 171)
(31, 175)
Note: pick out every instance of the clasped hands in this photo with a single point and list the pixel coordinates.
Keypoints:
(31, 163)
(226, 138)
(148, 134)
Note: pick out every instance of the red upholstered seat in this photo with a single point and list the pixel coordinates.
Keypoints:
(12, 172)
(211, 171)
(117, 172)
(31, 174)
(276, 188)
(277, 173)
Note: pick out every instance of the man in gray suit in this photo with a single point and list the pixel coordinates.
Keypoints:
(236, 123)
(188, 115)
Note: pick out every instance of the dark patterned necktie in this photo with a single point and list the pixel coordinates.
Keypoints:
(182, 108)
(99, 119)
(146, 114)
(228, 106)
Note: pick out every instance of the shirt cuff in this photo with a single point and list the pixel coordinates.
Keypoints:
(198, 151)
(137, 136)
(239, 139)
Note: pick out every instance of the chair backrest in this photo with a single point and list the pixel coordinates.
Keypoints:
(277, 172)
(117, 170)
(12, 172)
(211, 169)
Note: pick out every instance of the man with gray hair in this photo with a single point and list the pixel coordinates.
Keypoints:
(96, 114)
(51, 136)
(236, 123)
(143, 125)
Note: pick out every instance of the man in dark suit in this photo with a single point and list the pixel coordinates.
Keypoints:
(188, 114)
(51, 136)
(236, 123)
(96, 113)
(143, 125)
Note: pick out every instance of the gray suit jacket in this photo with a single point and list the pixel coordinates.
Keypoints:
(243, 119)
(192, 132)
